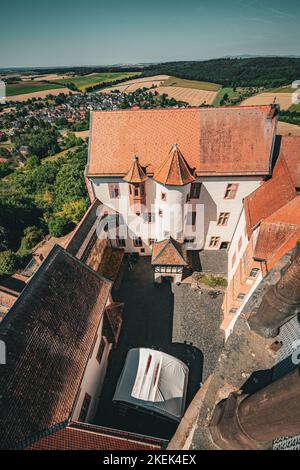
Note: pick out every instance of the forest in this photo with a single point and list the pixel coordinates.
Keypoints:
(268, 72)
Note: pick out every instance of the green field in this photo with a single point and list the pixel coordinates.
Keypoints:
(295, 108)
(29, 87)
(231, 93)
(284, 89)
(85, 81)
(197, 85)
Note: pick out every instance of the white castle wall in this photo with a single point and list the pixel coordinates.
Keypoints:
(174, 209)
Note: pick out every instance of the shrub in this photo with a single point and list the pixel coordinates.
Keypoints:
(8, 262)
(210, 280)
(32, 235)
(59, 226)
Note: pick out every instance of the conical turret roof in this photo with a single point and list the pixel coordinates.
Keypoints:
(174, 170)
(136, 173)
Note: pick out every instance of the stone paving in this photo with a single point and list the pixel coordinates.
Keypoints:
(148, 322)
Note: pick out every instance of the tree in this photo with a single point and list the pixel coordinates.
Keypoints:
(32, 235)
(59, 226)
(8, 262)
(75, 210)
(4, 240)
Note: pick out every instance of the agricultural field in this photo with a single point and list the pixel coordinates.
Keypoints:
(191, 96)
(132, 85)
(39, 94)
(195, 84)
(85, 81)
(284, 89)
(284, 128)
(21, 88)
(229, 92)
(295, 108)
(283, 99)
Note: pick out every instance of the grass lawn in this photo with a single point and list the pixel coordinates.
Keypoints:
(232, 95)
(58, 155)
(82, 82)
(197, 85)
(29, 87)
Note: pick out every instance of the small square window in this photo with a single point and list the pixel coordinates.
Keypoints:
(214, 242)
(121, 242)
(254, 273)
(137, 242)
(231, 191)
(160, 213)
(233, 310)
(189, 240)
(151, 241)
(241, 296)
(223, 218)
(195, 190)
(114, 190)
(163, 196)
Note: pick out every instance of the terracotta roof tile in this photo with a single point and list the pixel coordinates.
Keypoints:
(81, 436)
(49, 333)
(136, 173)
(279, 233)
(268, 198)
(174, 170)
(169, 252)
(290, 153)
(214, 141)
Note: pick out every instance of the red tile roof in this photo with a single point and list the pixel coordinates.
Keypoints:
(268, 198)
(136, 173)
(279, 233)
(81, 436)
(174, 170)
(49, 333)
(169, 252)
(214, 141)
(290, 153)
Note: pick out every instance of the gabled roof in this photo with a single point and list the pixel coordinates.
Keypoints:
(174, 170)
(278, 233)
(215, 141)
(49, 333)
(268, 198)
(169, 252)
(136, 173)
(82, 436)
(290, 154)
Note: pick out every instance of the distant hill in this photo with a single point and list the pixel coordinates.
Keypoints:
(269, 72)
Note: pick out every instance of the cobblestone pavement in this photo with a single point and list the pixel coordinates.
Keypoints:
(147, 322)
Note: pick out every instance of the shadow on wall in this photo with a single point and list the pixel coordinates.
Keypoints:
(210, 211)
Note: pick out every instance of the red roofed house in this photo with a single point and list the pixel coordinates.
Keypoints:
(180, 173)
(56, 360)
(268, 227)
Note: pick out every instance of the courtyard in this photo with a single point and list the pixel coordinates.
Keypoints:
(148, 318)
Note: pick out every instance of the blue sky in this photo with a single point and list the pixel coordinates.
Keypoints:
(94, 32)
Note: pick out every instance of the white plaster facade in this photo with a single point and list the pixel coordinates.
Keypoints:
(93, 378)
(170, 205)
